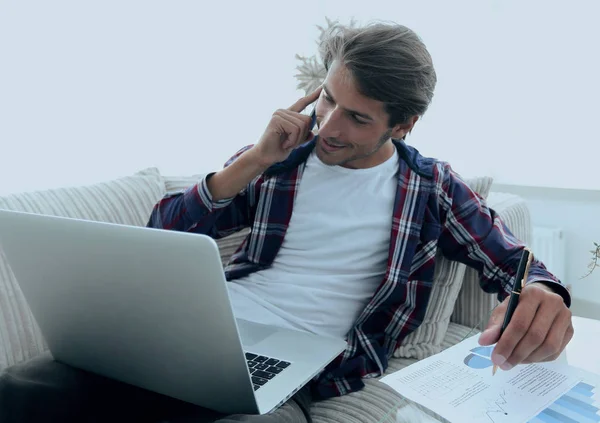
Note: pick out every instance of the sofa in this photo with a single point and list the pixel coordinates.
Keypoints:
(458, 307)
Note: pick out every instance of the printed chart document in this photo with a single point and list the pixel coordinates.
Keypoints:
(457, 385)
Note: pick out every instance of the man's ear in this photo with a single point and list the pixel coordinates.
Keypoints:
(402, 129)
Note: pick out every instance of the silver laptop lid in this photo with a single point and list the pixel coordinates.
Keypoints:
(126, 302)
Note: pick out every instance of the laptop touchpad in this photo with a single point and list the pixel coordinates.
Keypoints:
(252, 333)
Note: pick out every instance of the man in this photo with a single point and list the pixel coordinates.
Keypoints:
(345, 228)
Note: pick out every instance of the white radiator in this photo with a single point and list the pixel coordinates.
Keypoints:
(548, 245)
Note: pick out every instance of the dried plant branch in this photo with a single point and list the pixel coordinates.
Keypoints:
(311, 72)
(595, 259)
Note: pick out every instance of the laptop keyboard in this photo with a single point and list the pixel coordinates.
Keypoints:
(263, 368)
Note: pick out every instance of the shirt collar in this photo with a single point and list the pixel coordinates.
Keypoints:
(410, 155)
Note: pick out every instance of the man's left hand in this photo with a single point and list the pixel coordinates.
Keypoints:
(539, 330)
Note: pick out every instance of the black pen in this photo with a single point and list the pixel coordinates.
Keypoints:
(520, 281)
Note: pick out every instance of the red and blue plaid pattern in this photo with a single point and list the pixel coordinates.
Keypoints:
(434, 210)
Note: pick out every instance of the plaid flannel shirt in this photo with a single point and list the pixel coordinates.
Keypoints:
(433, 209)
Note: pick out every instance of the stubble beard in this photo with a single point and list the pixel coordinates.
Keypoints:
(380, 143)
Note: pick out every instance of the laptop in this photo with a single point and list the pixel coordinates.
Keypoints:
(150, 308)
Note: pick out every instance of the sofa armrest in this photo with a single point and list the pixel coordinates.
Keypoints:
(474, 306)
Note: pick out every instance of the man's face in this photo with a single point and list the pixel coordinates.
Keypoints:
(353, 129)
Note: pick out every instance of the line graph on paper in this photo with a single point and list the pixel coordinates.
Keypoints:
(496, 409)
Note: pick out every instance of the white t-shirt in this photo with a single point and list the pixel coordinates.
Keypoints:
(334, 254)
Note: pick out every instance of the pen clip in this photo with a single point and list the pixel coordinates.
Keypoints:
(523, 270)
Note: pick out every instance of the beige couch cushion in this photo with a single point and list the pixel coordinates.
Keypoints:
(180, 183)
(128, 200)
(378, 402)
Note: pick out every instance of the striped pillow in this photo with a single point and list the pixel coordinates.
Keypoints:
(377, 399)
(180, 183)
(128, 200)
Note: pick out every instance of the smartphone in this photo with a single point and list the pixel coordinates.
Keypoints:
(313, 120)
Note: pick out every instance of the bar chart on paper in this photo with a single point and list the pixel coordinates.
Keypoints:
(579, 405)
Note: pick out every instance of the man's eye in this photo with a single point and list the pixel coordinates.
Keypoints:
(327, 98)
(357, 120)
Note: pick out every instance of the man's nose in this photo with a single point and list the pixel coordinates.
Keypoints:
(329, 125)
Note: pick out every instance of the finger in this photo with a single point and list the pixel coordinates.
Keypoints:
(517, 328)
(306, 122)
(545, 334)
(492, 331)
(491, 335)
(301, 104)
(294, 128)
(568, 337)
(288, 131)
(301, 121)
(561, 331)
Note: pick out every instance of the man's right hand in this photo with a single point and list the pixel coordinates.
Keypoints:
(287, 129)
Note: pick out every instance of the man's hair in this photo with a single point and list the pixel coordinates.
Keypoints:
(388, 62)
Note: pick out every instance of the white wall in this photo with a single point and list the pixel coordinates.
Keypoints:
(577, 212)
(94, 90)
